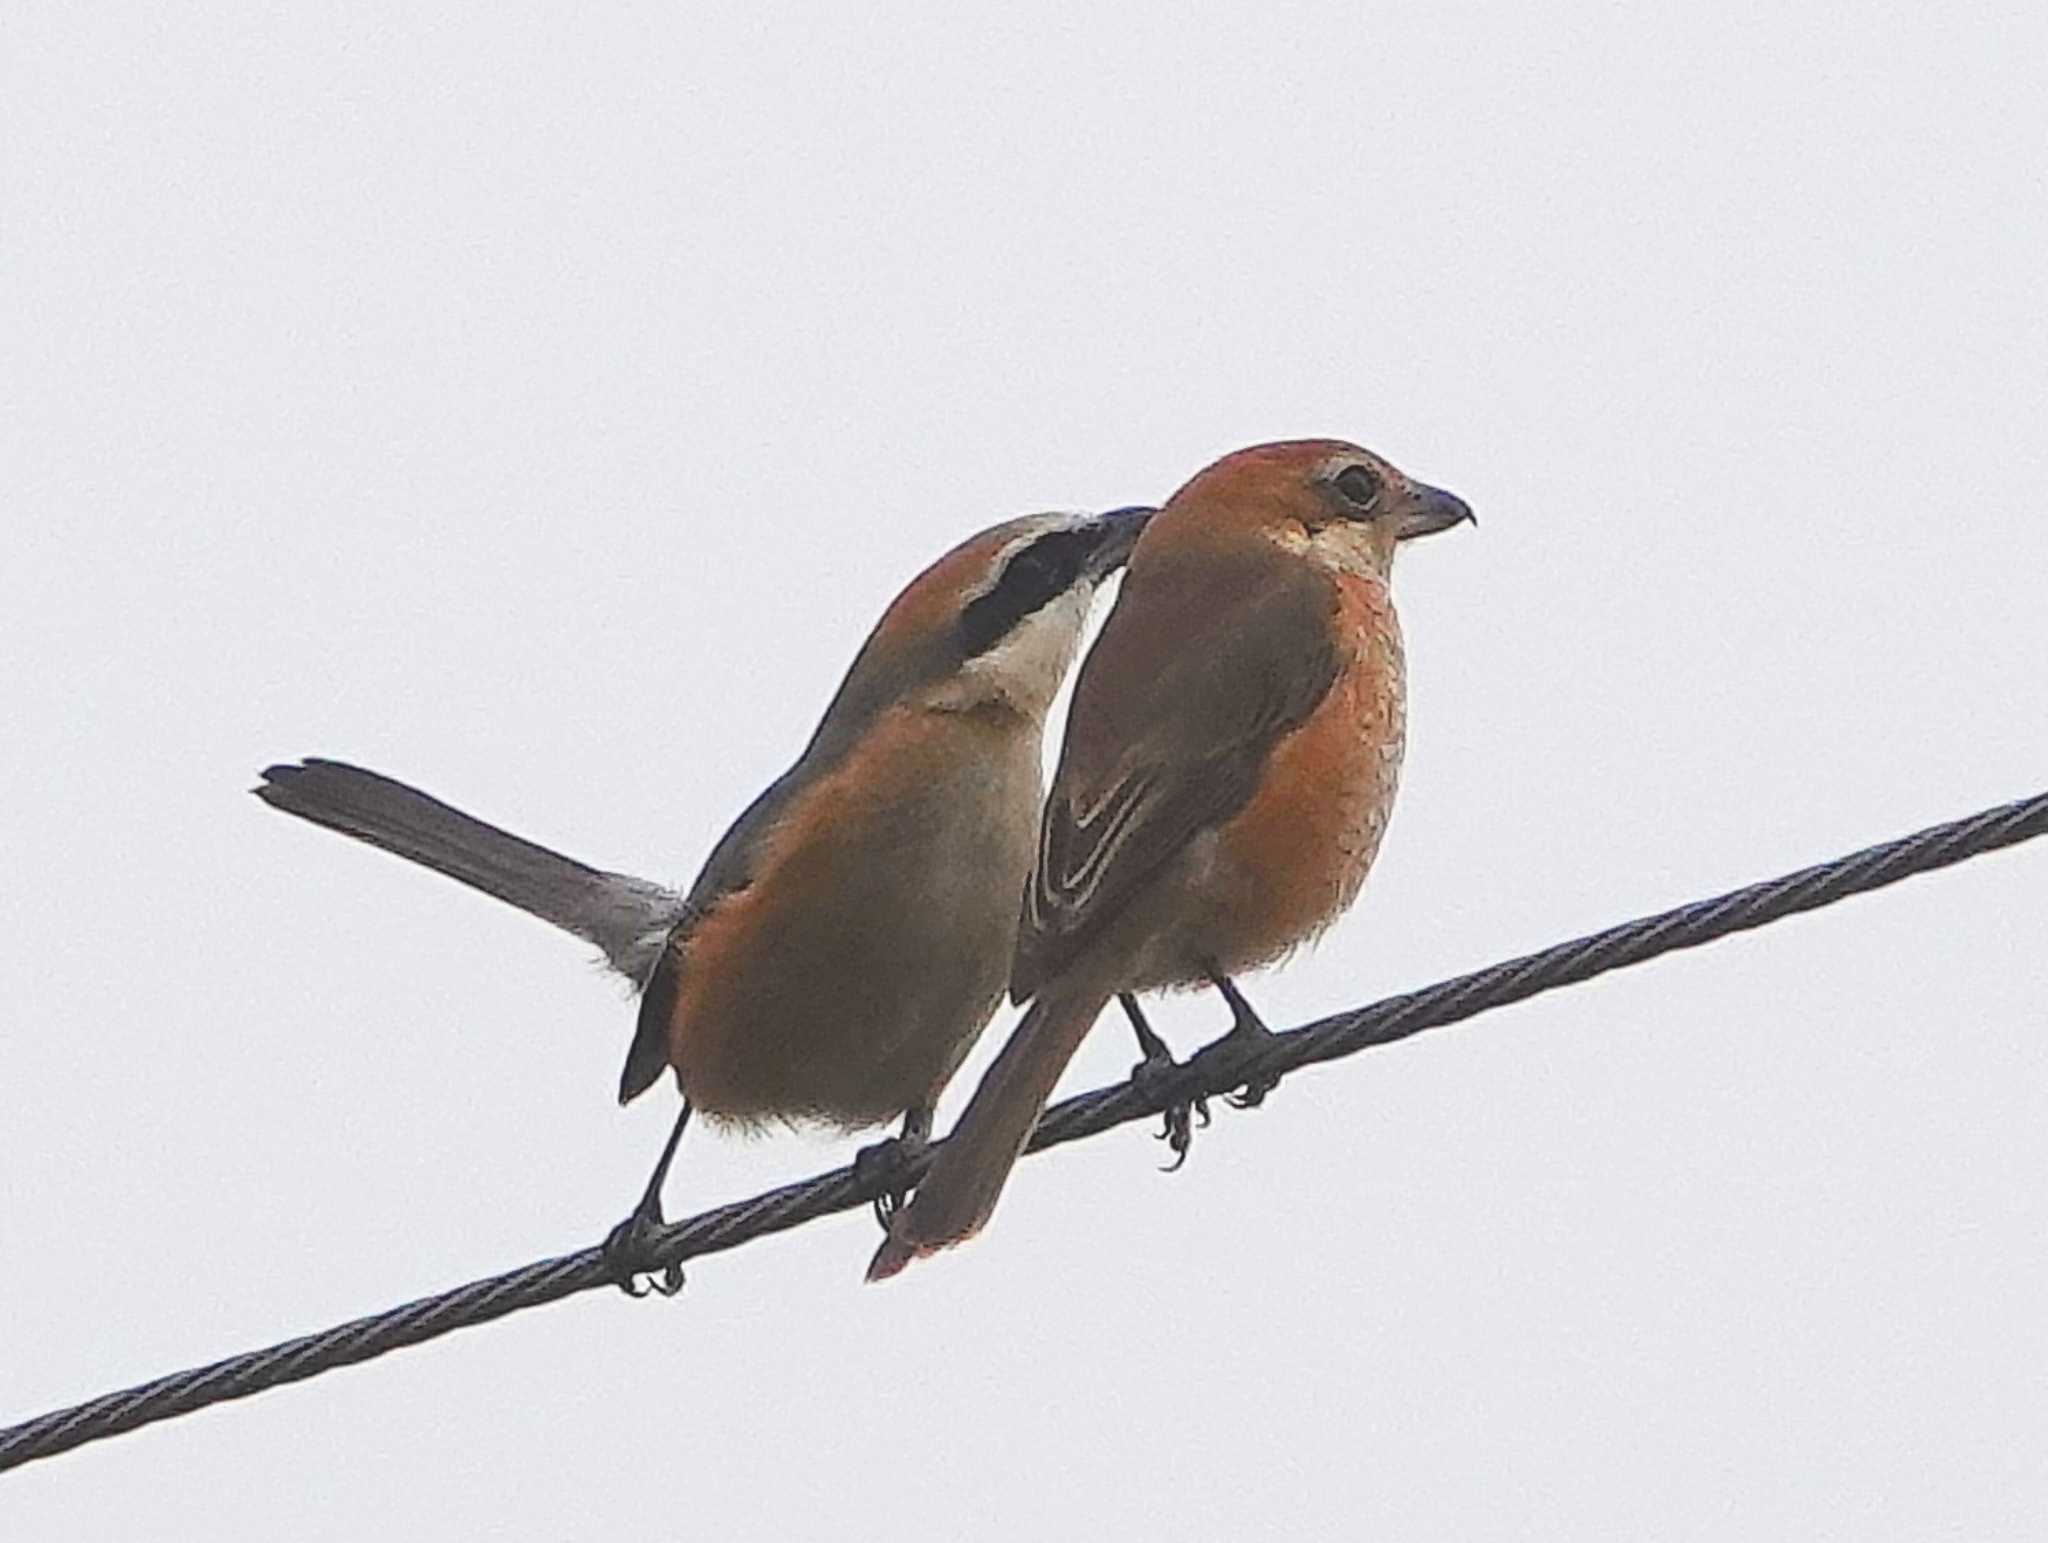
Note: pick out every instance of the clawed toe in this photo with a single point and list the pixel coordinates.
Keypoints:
(1247, 1037)
(1178, 1129)
(885, 1166)
(628, 1247)
(627, 1263)
(1233, 1051)
(1253, 1093)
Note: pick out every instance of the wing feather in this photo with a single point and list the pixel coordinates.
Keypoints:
(1213, 666)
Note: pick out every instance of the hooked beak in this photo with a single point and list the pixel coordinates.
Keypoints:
(1120, 530)
(1431, 510)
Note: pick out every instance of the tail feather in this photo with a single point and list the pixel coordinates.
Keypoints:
(959, 1194)
(628, 918)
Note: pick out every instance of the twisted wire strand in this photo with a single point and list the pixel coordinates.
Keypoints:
(1088, 1114)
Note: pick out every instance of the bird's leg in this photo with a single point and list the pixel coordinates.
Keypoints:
(1248, 1032)
(884, 1162)
(625, 1251)
(1157, 1067)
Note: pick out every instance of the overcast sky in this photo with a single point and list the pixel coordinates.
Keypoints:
(540, 403)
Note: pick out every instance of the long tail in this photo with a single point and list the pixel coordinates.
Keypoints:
(959, 1194)
(628, 918)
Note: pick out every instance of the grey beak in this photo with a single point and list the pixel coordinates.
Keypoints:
(1120, 529)
(1431, 510)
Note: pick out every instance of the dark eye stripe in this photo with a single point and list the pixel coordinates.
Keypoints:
(1033, 575)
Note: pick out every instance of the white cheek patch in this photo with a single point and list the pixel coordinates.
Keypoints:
(1290, 538)
(1344, 547)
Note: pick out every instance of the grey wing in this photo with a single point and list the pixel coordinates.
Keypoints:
(729, 868)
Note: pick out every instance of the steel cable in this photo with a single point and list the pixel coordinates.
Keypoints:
(1088, 1114)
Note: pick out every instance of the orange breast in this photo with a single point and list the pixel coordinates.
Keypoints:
(1295, 856)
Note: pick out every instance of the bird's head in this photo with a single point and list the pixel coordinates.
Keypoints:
(1335, 503)
(995, 622)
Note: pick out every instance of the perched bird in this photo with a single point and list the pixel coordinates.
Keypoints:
(850, 935)
(1229, 767)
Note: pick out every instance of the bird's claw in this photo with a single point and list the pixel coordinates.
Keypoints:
(626, 1262)
(885, 1164)
(1178, 1130)
(1253, 1093)
(1234, 1050)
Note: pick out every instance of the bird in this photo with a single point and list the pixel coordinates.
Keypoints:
(1229, 766)
(849, 937)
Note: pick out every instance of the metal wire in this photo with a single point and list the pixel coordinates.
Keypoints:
(1206, 1074)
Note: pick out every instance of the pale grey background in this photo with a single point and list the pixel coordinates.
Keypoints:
(540, 403)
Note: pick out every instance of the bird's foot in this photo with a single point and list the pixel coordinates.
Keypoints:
(1255, 1089)
(885, 1167)
(1160, 1074)
(1248, 1037)
(1233, 1051)
(627, 1257)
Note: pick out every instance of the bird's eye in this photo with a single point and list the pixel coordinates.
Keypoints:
(1360, 488)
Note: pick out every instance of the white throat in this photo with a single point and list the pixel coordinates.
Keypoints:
(1025, 670)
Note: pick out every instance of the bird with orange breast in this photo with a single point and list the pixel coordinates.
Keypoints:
(1229, 766)
(850, 935)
